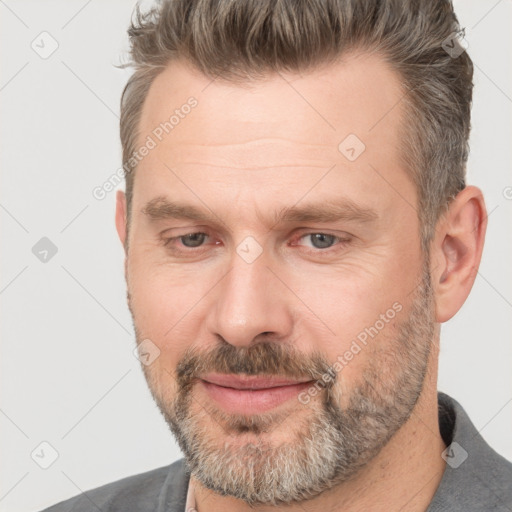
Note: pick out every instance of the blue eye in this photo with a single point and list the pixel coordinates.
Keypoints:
(319, 240)
(193, 239)
(322, 240)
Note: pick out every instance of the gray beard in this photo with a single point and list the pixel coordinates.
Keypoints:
(328, 448)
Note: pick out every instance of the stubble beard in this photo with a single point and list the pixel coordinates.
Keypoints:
(234, 455)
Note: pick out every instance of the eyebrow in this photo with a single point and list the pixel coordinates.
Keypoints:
(160, 208)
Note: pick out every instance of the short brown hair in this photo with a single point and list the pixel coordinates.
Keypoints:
(241, 39)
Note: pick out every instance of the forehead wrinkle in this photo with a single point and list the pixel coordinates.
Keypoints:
(254, 154)
(308, 165)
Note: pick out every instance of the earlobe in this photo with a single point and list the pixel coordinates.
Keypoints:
(121, 216)
(458, 249)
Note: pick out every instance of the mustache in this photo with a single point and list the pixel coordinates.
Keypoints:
(265, 358)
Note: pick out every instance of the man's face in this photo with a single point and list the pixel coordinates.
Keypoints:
(307, 254)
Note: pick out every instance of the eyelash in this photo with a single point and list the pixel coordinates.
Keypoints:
(341, 243)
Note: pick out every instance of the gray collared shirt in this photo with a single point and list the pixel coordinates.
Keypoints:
(476, 478)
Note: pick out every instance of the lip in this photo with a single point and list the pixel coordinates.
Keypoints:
(250, 381)
(251, 394)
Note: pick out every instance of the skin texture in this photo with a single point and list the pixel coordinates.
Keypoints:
(240, 156)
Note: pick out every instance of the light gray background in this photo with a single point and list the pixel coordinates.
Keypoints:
(68, 373)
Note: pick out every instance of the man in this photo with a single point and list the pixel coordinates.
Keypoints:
(297, 227)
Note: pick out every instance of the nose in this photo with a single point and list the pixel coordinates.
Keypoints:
(250, 301)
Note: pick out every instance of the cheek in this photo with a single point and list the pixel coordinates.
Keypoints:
(159, 310)
(353, 314)
(166, 302)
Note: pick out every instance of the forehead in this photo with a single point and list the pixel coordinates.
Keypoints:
(357, 94)
(287, 126)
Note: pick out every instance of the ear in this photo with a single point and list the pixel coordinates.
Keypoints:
(456, 251)
(121, 217)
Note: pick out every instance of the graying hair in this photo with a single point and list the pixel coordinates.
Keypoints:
(237, 40)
